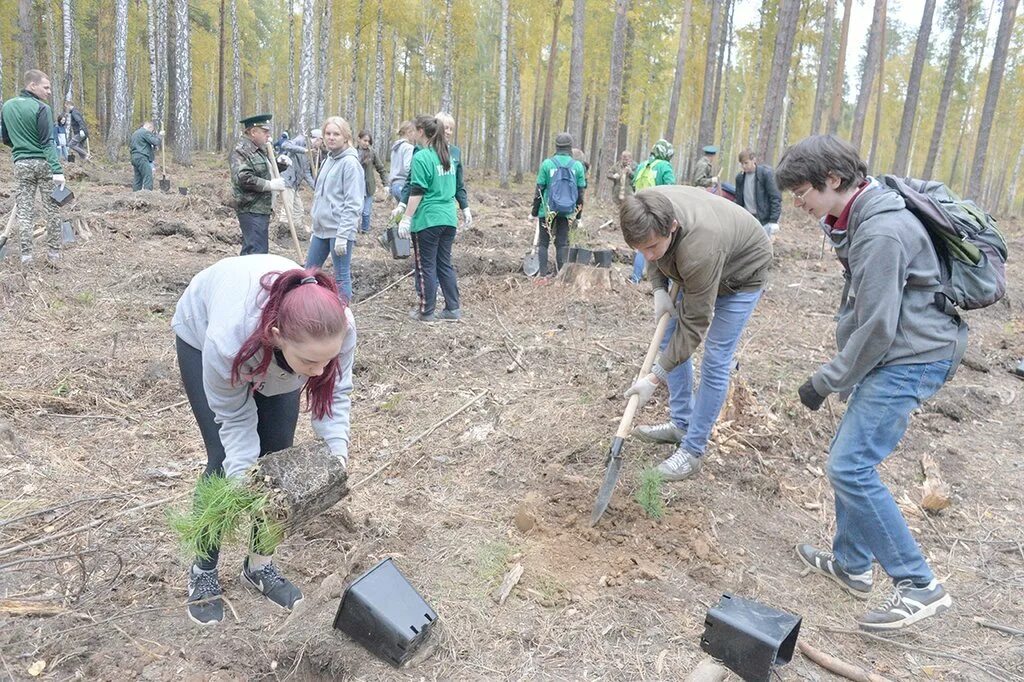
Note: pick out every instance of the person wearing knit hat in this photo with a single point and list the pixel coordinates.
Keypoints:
(557, 200)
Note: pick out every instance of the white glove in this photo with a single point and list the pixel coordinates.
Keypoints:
(58, 180)
(771, 229)
(340, 246)
(398, 212)
(277, 185)
(663, 303)
(284, 160)
(714, 180)
(162, 133)
(403, 227)
(644, 388)
(81, 134)
(467, 216)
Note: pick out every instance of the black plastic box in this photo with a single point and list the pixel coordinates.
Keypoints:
(400, 248)
(749, 637)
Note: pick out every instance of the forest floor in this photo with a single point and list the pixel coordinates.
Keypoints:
(97, 442)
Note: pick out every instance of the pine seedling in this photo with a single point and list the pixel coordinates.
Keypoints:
(648, 495)
(222, 510)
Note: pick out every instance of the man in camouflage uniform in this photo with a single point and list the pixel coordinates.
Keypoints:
(26, 124)
(143, 144)
(252, 183)
(704, 175)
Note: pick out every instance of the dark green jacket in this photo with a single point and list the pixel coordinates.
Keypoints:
(26, 124)
(143, 143)
(250, 177)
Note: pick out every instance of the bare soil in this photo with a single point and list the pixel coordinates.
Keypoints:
(96, 442)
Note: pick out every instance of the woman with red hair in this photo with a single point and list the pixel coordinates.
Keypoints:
(253, 332)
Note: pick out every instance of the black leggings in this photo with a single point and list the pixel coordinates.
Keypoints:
(277, 416)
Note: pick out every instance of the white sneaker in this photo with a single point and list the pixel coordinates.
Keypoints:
(906, 606)
(681, 465)
(660, 433)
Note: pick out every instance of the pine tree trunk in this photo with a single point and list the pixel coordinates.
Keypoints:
(969, 109)
(1011, 195)
(758, 93)
(293, 93)
(306, 96)
(789, 15)
(446, 84)
(518, 133)
(901, 164)
(725, 137)
(995, 81)
(27, 36)
(787, 116)
(677, 81)
(836, 110)
(323, 64)
(220, 79)
(350, 108)
(51, 53)
(821, 90)
(723, 39)
(2, 92)
(935, 146)
(379, 135)
(609, 142)
(236, 69)
(706, 128)
(872, 158)
(869, 74)
(183, 85)
(575, 108)
(503, 165)
(543, 132)
(118, 132)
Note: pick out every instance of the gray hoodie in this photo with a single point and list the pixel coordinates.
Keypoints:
(401, 160)
(888, 314)
(338, 197)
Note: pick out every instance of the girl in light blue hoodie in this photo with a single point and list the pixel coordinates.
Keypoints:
(337, 204)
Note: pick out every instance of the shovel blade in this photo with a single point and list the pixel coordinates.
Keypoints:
(611, 476)
(165, 185)
(531, 264)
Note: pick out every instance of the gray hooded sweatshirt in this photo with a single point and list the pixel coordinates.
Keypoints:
(338, 197)
(888, 314)
(401, 161)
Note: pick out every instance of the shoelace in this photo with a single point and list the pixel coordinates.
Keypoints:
(678, 459)
(271, 576)
(206, 584)
(897, 595)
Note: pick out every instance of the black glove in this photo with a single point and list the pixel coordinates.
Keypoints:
(811, 399)
(535, 210)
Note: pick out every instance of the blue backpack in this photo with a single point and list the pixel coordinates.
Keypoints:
(563, 193)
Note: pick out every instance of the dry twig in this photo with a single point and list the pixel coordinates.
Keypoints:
(838, 666)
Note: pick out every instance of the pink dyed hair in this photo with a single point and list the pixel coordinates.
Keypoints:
(299, 311)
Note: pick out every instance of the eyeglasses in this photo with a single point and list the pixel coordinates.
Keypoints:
(798, 199)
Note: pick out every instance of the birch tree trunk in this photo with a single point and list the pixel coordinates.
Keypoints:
(677, 81)
(117, 135)
(293, 93)
(544, 130)
(706, 128)
(2, 98)
(610, 138)
(995, 81)
(575, 108)
(323, 66)
(955, 41)
(518, 133)
(789, 15)
(69, 35)
(306, 97)
(220, 78)
(160, 102)
(446, 83)
(183, 85)
(379, 134)
(26, 36)
(503, 96)
(350, 109)
(901, 164)
(154, 75)
(56, 77)
(836, 110)
(821, 90)
(236, 69)
(867, 80)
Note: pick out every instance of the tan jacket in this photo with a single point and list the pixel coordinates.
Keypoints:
(718, 249)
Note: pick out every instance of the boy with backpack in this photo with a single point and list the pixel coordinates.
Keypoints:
(897, 347)
(653, 172)
(558, 199)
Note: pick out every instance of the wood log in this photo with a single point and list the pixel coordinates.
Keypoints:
(27, 607)
(838, 666)
(304, 481)
(934, 491)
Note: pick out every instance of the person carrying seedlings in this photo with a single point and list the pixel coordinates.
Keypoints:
(26, 125)
(337, 203)
(656, 171)
(704, 174)
(401, 159)
(369, 160)
(252, 184)
(720, 256)
(430, 221)
(896, 348)
(143, 144)
(757, 192)
(558, 199)
(252, 334)
(621, 176)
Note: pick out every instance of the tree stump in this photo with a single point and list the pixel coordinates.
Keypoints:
(586, 277)
(304, 481)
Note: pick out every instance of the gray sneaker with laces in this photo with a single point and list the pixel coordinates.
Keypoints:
(203, 588)
(450, 315)
(820, 561)
(274, 586)
(660, 433)
(906, 606)
(681, 465)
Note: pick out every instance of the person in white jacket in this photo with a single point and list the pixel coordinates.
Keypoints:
(337, 204)
(252, 333)
(401, 159)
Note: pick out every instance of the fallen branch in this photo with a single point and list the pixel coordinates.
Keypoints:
(996, 626)
(510, 581)
(81, 500)
(27, 607)
(838, 666)
(370, 298)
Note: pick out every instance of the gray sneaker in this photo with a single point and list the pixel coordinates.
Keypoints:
(274, 586)
(906, 606)
(825, 563)
(681, 465)
(417, 316)
(660, 433)
(450, 315)
(203, 586)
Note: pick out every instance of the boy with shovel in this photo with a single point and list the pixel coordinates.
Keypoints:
(720, 256)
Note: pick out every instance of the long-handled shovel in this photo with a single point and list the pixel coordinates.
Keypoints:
(274, 173)
(165, 184)
(531, 262)
(614, 462)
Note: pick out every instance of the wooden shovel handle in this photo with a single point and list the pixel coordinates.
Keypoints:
(652, 351)
(284, 200)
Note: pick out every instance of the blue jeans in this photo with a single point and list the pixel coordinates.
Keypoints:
(639, 267)
(319, 248)
(396, 189)
(696, 413)
(367, 208)
(869, 525)
(432, 259)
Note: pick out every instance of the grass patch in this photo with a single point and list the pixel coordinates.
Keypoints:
(649, 494)
(86, 298)
(223, 511)
(492, 560)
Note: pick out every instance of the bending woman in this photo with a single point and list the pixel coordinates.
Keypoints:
(253, 332)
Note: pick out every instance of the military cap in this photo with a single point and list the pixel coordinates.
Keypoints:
(261, 120)
(710, 149)
(663, 150)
